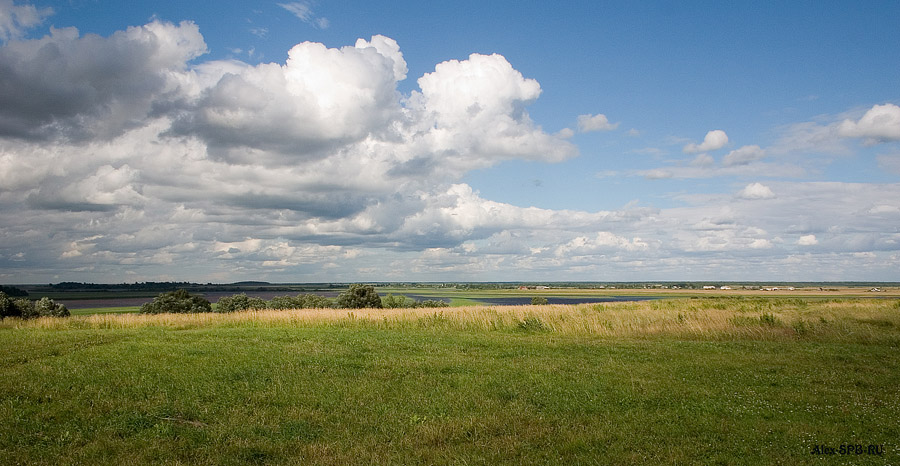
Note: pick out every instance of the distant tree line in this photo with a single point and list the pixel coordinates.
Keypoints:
(13, 291)
(25, 308)
(357, 296)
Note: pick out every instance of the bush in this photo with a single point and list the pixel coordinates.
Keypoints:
(395, 302)
(359, 297)
(431, 303)
(180, 302)
(46, 307)
(532, 324)
(301, 301)
(25, 308)
(239, 302)
(538, 301)
(7, 308)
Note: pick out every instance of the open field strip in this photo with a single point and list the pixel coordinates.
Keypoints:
(102, 310)
(686, 381)
(717, 318)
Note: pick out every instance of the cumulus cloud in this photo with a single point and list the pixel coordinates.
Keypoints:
(881, 123)
(292, 111)
(599, 122)
(714, 140)
(320, 150)
(16, 19)
(754, 191)
(807, 240)
(65, 86)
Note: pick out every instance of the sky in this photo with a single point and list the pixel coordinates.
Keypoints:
(323, 141)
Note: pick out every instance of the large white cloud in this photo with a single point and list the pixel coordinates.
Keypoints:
(319, 100)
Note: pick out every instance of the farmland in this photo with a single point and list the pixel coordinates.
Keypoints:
(739, 380)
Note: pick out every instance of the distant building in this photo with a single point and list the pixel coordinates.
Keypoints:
(709, 287)
(724, 287)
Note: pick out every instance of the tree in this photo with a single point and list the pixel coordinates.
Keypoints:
(176, 302)
(538, 301)
(13, 292)
(239, 302)
(46, 307)
(7, 307)
(25, 308)
(394, 302)
(358, 297)
(301, 301)
(28, 309)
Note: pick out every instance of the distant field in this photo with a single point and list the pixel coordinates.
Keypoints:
(681, 381)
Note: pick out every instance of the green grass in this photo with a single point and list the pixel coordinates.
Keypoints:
(434, 388)
(104, 310)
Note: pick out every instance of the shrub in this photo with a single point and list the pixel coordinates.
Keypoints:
(239, 302)
(394, 302)
(7, 308)
(180, 302)
(431, 303)
(538, 301)
(768, 319)
(25, 308)
(28, 309)
(301, 301)
(359, 297)
(46, 307)
(532, 324)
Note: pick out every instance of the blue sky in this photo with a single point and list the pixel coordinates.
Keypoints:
(463, 141)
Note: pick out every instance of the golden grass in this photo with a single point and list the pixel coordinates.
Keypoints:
(707, 318)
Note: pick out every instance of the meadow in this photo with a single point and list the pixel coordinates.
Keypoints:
(740, 380)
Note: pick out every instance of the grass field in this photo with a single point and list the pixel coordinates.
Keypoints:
(681, 381)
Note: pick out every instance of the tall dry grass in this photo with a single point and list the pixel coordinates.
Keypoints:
(856, 320)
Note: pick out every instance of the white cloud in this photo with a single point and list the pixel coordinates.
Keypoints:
(760, 243)
(880, 124)
(743, 156)
(156, 165)
(303, 10)
(714, 140)
(703, 160)
(829, 134)
(16, 19)
(599, 122)
(92, 87)
(808, 240)
(293, 113)
(755, 191)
